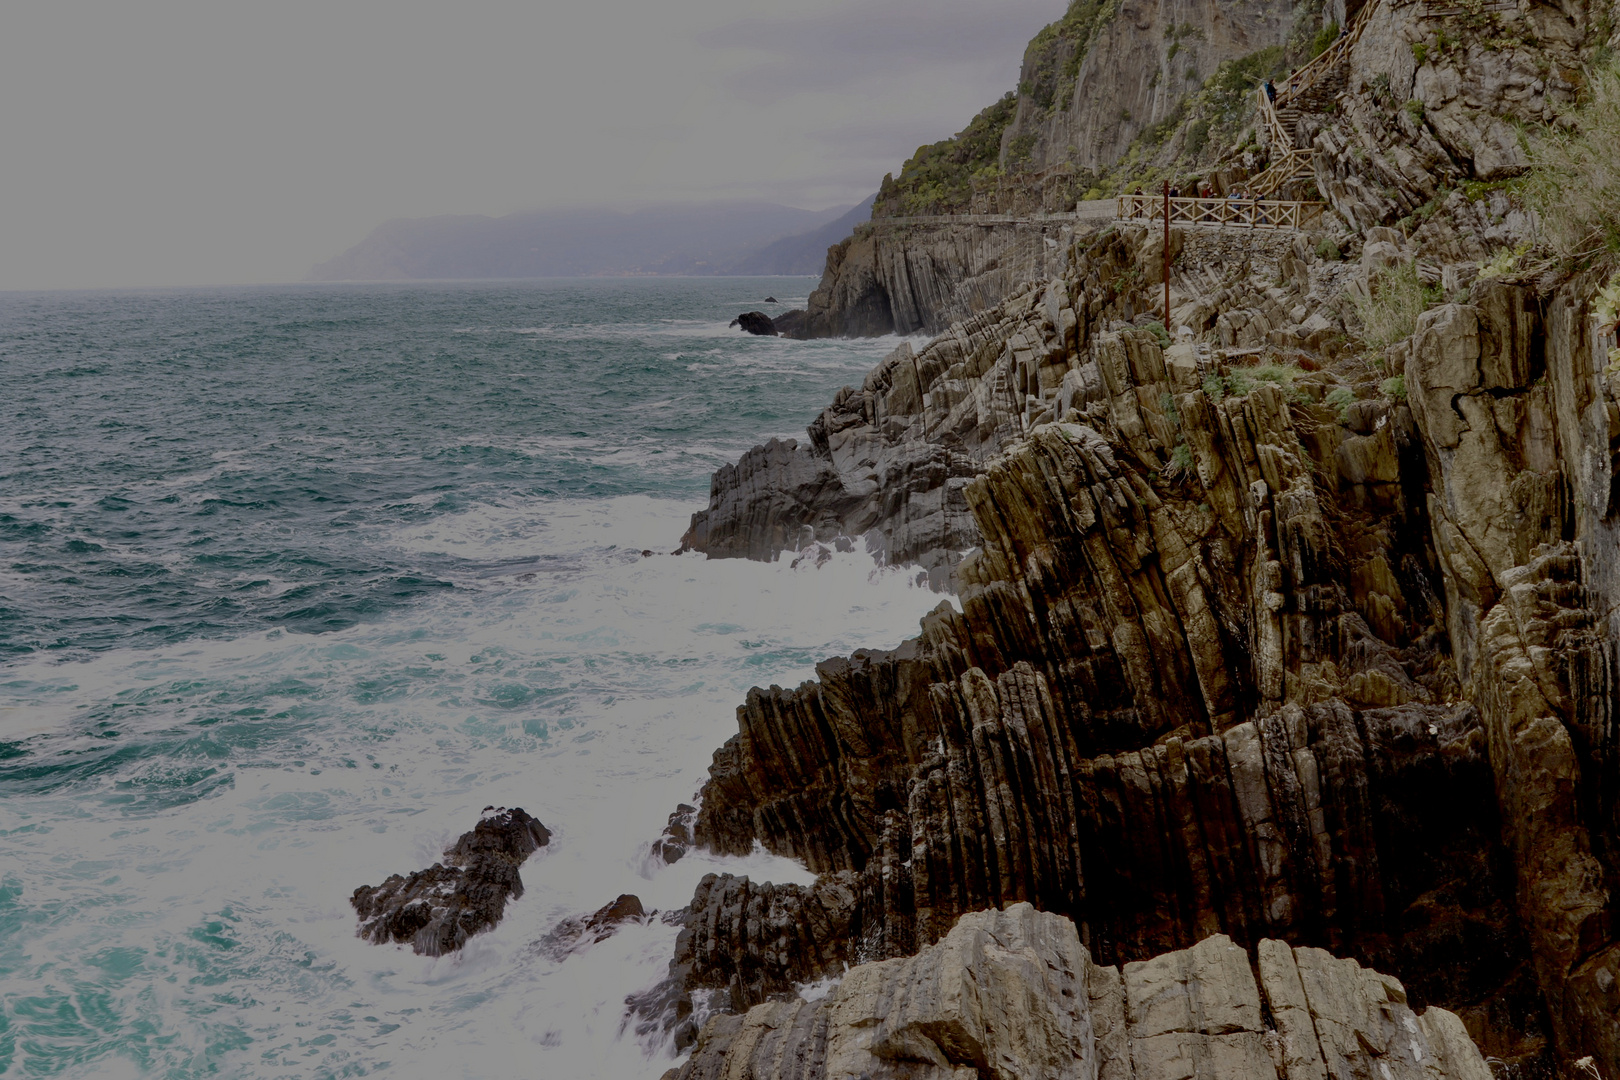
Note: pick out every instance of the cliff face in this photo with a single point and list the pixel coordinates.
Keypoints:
(1264, 652)
(1013, 994)
(1270, 629)
(1082, 104)
(890, 461)
(910, 277)
(1099, 90)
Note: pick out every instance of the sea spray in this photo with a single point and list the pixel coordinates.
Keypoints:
(186, 806)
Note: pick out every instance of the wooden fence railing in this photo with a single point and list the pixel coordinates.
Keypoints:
(1289, 162)
(1230, 213)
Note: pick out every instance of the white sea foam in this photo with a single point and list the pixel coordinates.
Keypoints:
(198, 894)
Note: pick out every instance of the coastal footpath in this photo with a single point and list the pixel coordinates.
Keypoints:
(1290, 626)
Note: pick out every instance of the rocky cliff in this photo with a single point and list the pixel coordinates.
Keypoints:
(1296, 622)
(1112, 94)
(905, 276)
(1014, 995)
(1243, 648)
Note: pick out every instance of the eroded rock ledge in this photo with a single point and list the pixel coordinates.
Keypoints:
(1014, 995)
(1295, 659)
(1267, 633)
(436, 910)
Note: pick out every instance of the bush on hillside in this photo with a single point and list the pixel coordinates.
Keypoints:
(1052, 60)
(1575, 179)
(939, 177)
(1397, 297)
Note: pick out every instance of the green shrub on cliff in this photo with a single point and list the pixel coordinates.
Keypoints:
(938, 178)
(1240, 381)
(1396, 297)
(1231, 88)
(1575, 179)
(1052, 60)
(1324, 38)
(1339, 399)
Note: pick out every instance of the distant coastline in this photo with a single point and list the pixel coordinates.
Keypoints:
(719, 239)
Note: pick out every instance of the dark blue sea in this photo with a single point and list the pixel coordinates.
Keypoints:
(294, 581)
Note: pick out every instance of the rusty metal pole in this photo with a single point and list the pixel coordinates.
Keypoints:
(1167, 256)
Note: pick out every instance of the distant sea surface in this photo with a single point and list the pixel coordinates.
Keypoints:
(295, 581)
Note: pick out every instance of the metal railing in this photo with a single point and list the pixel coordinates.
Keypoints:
(1218, 212)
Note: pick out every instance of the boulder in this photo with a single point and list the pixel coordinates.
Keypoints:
(756, 322)
(790, 324)
(574, 934)
(1014, 995)
(436, 910)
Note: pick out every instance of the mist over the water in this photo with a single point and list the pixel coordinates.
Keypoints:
(295, 581)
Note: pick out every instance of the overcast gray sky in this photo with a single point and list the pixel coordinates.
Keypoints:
(150, 142)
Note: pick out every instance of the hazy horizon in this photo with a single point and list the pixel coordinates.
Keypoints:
(176, 143)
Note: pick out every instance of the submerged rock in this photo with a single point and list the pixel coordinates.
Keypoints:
(1014, 995)
(436, 910)
(756, 322)
(574, 934)
(676, 839)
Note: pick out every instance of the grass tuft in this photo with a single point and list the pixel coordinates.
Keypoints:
(1575, 175)
(1398, 297)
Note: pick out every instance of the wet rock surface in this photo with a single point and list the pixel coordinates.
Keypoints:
(1014, 995)
(574, 934)
(1259, 631)
(436, 910)
(1288, 658)
(756, 322)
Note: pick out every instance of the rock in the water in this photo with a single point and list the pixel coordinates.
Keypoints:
(676, 839)
(790, 324)
(573, 934)
(436, 910)
(756, 322)
(771, 300)
(1014, 995)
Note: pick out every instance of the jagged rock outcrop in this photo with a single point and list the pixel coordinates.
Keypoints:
(1014, 995)
(576, 933)
(1269, 633)
(904, 277)
(1263, 663)
(1075, 735)
(1520, 423)
(436, 910)
(890, 460)
(756, 322)
(1433, 99)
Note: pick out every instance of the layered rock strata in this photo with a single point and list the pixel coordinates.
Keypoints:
(1254, 663)
(436, 910)
(889, 461)
(1266, 632)
(905, 277)
(1014, 995)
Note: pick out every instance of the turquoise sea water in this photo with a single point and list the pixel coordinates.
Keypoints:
(294, 581)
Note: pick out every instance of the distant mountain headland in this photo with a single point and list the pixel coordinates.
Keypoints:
(714, 238)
